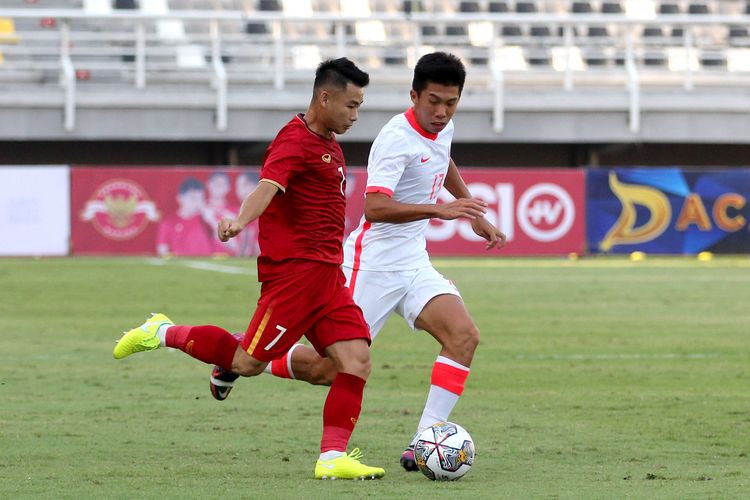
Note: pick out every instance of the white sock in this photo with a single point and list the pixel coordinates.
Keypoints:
(162, 334)
(331, 454)
(441, 401)
(438, 407)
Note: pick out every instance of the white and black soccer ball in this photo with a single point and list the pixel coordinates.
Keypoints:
(444, 452)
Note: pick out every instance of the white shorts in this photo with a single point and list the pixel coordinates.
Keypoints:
(379, 293)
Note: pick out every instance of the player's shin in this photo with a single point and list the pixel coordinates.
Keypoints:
(206, 343)
(447, 384)
(340, 412)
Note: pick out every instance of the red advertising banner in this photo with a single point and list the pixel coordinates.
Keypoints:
(168, 211)
(174, 211)
(540, 211)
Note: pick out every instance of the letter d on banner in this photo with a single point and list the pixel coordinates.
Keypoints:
(624, 230)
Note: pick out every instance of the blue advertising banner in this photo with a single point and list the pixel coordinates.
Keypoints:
(668, 210)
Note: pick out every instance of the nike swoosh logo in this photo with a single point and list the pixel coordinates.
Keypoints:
(146, 326)
(328, 466)
(424, 160)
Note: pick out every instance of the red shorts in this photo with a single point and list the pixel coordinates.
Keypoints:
(313, 302)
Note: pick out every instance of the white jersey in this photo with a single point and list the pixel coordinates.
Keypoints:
(410, 165)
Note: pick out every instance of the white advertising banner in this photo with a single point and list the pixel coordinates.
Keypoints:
(34, 210)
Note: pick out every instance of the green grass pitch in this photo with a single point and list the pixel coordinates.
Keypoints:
(597, 378)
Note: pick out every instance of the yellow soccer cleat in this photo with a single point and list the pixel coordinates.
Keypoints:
(347, 467)
(142, 338)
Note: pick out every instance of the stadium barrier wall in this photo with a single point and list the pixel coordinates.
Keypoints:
(34, 210)
(147, 211)
(57, 210)
(668, 210)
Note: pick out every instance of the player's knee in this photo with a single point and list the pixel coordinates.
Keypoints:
(463, 341)
(472, 337)
(359, 366)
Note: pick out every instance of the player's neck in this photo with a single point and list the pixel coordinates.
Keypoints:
(315, 124)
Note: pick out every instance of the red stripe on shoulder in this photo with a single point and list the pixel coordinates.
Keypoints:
(379, 189)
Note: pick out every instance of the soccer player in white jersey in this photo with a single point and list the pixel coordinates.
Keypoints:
(385, 259)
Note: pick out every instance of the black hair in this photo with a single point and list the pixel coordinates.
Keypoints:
(339, 72)
(190, 184)
(441, 68)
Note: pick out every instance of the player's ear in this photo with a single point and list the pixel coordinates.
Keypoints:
(414, 96)
(323, 98)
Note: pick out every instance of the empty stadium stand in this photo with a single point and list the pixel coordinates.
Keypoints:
(553, 71)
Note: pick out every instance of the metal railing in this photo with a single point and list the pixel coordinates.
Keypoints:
(126, 47)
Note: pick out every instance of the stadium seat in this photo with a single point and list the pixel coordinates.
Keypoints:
(526, 7)
(511, 30)
(429, 30)
(498, 7)
(669, 8)
(256, 28)
(190, 56)
(653, 32)
(678, 32)
(393, 58)
(713, 60)
(654, 59)
(465, 6)
(595, 58)
(305, 56)
(540, 31)
(8, 31)
(99, 7)
(455, 30)
(581, 8)
(598, 32)
(269, 5)
(611, 8)
(737, 32)
(698, 8)
(126, 4)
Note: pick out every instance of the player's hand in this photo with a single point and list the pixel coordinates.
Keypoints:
(495, 238)
(467, 208)
(228, 229)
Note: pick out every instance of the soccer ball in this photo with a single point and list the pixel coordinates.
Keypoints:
(444, 452)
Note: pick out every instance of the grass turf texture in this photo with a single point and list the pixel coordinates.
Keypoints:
(597, 378)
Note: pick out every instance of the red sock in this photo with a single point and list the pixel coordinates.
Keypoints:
(280, 367)
(208, 343)
(341, 411)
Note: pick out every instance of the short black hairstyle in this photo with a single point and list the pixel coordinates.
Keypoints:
(441, 68)
(190, 184)
(339, 72)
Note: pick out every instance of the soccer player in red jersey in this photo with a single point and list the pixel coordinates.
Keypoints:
(300, 203)
(385, 259)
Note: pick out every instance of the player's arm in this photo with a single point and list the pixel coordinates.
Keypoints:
(380, 207)
(456, 186)
(252, 207)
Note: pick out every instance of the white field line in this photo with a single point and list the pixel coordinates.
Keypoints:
(203, 266)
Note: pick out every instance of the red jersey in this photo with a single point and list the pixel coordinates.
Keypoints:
(305, 223)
